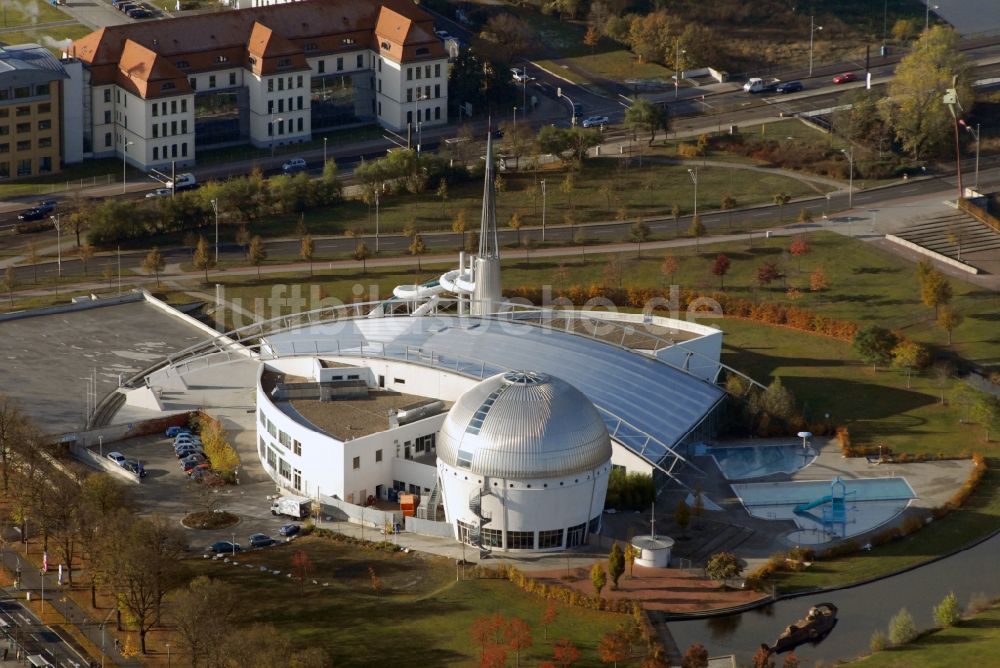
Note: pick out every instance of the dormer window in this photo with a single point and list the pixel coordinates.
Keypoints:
(183, 64)
(311, 46)
(222, 59)
(385, 46)
(348, 41)
(284, 62)
(423, 51)
(168, 85)
(253, 61)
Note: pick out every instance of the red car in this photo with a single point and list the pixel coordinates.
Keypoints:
(845, 77)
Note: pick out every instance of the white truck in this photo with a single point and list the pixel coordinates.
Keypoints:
(293, 506)
(758, 85)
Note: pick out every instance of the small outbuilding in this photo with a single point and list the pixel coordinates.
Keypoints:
(654, 551)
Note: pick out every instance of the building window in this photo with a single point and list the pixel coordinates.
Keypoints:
(107, 117)
(173, 106)
(595, 524)
(4, 130)
(281, 105)
(423, 51)
(549, 539)
(378, 456)
(45, 142)
(574, 535)
(414, 489)
(380, 108)
(300, 124)
(45, 165)
(300, 103)
(173, 128)
(107, 95)
(270, 106)
(297, 448)
(211, 81)
(4, 148)
(298, 81)
(340, 64)
(322, 66)
(222, 59)
(173, 150)
(380, 84)
(418, 72)
(284, 62)
(270, 85)
(44, 108)
(184, 127)
(284, 470)
(409, 74)
(398, 485)
(24, 167)
(232, 78)
(284, 439)
(22, 111)
(194, 83)
(493, 537)
(4, 170)
(437, 90)
(184, 150)
(184, 106)
(272, 458)
(22, 91)
(263, 420)
(361, 60)
(297, 480)
(437, 113)
(183, 64)
(107, 139)
(168, 85)
(357, 463)
(253, 61)
(281, 83)
(520, 540)
(379, 64)
(156, 149)
(311, 46)
(23, 127)
(437, 70)
(270, 129)
(24, 145)
(409, 95)
(427, 71)
(156, 110)
(427, 92)
(272, 430)
(347, 41)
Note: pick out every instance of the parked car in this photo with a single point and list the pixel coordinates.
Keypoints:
(289, 530)
(139, 13)
(174, 432)
(159, 192)
(135, 467)
(186, 439)
(186, 181)
(32, 214)
(845, 77)
(261, 540)
(294, 166)
(191, 468)
(225, 547)
(596, 121)
(47, 206)
(125, 6)
(188, 451)
(117, 458)
(788, 87)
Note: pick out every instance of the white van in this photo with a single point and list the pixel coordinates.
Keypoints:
(185, 181)
(39, 661)
(294, 165)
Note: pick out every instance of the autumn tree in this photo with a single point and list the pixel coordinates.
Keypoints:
(935, 290)
(669, 268)
(909, 356)
(202, 613)
(913, 106)
(875, 344)
(728, 203)
(515, 224)
(460, 225)
(697, 230)
(417, 248)
(257, 254)
(362, 253)
(598, 577)
(949, 320)
(549, 616)
(781, 199)
(203, 260)
(985, 412)
(768, 272)
(85, 252)
(720, 268)
(302, 566)
(592, 37)
(762, 658)
(647, 116)
(722, 566)
(798, 248)
(639, 232)
(675, 213)
(682, 516)
(817, 280)
(631, 554)
(791, 661)
(613, 647)
(565, 653)
(307, 250)
(154, 263)
(376, 581)
(517, 635)
(696, 656)
(616, 564)
(10, 282)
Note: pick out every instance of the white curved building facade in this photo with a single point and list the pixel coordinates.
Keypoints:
(524, 460)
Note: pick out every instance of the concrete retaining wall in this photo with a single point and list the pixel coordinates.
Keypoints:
(429, 528)
(932, 254)
(70, 308)
(98, 462)
(369, 517)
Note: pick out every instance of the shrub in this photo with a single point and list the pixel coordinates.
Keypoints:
(877, 642)
(902, 628)
(723, 565)
(947, 612)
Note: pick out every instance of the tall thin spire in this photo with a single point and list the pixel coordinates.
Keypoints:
(489, 246)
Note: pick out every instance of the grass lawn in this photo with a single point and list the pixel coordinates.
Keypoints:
(620, 65)
(89, 173)
(557, 68)
(28, 13)
(968, 644)
(30, 35)
(422, 618)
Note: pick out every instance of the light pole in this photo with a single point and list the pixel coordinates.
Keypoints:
(168, 655)
(55, 221)
(324, 152)
(234, 545)
(543, 210)
(974, 133)
(694, 178)
(812, 29)
(377, 189)
(677, 66)
(850, 178)
(125, 164)
(215, 207)
(927, 14)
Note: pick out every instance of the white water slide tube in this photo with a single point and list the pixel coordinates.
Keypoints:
(457, 282)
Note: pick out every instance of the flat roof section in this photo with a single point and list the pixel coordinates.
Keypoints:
(49, 359)
(345, 419)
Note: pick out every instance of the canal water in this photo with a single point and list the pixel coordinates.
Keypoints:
(862, 609)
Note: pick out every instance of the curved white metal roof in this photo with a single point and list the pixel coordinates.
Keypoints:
(524, 425)
(651, 396)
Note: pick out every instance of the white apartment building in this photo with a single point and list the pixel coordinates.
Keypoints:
(156, 92)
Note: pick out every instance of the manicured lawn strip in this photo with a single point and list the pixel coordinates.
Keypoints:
(621, 65)
(17, 14)
(556, 67)
(968, 644)
(29, 35)
(90, 173)
(422, 618)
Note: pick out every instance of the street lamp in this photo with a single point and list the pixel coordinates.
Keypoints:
(694, 179)
(215, 207)
(324, 152)
(168, 655)
(55, 221)
(543, 210)
(677, 66)
(274, 131)
(377, 189)
(812, 29)
(850, 178)
(974, 133)
(234, 545)
(927, 15)
(124, 164)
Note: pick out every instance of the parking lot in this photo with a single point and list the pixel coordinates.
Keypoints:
(168, 491)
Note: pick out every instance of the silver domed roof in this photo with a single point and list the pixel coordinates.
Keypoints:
(524, 425)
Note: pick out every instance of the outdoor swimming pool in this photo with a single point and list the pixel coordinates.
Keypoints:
(784, 493)
(757, 461)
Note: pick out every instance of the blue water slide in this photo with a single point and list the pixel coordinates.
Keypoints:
(803, 508)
